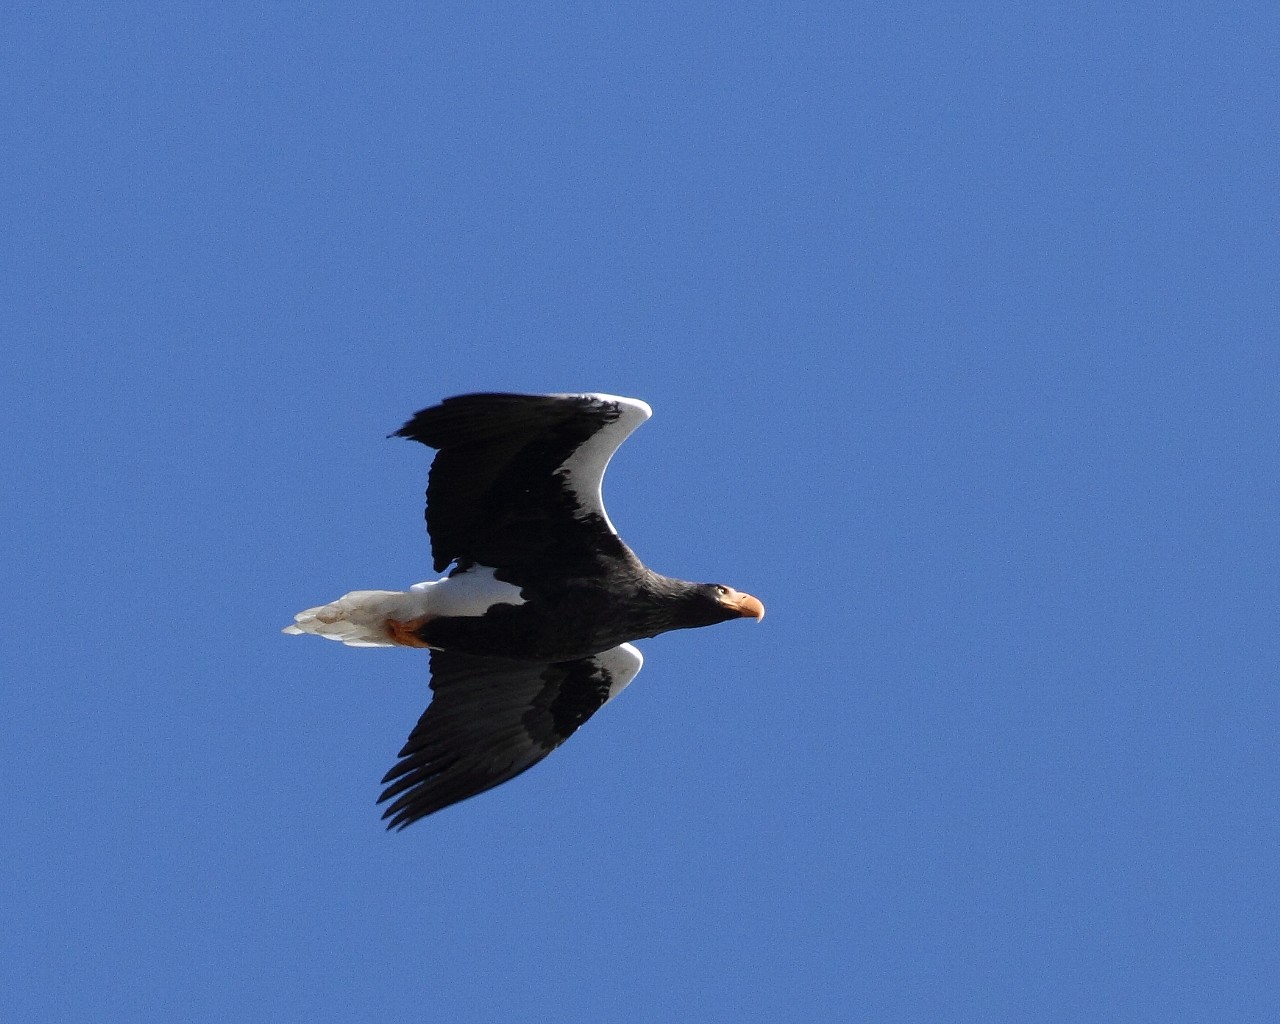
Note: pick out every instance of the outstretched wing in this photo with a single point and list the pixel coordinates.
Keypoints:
(491, 719)
(516, 481)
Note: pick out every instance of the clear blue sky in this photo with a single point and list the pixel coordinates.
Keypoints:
(960, 327)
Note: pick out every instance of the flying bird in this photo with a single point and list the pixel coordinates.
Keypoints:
(529, 631)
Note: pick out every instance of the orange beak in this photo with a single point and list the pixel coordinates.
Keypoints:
(745, 605)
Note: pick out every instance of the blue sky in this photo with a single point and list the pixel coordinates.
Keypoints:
(960, 327)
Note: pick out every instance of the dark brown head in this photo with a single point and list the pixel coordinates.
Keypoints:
(678, 604)
(709, 603)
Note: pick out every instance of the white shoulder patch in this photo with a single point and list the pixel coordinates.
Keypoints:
(621, 663)
(472, 592)
(584, 469)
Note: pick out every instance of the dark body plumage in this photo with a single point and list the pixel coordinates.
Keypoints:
(585, 615)
(513, 498)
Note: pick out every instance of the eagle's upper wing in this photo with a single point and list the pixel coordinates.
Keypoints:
(491, 719)
(516, 481)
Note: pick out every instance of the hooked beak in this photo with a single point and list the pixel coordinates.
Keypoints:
(745, 605)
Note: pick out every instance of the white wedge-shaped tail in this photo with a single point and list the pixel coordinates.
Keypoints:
(359, 619)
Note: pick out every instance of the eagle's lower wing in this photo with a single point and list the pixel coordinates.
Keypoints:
(491, 719)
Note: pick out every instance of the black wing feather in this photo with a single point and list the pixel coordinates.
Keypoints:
(490, 720)
(493, 495)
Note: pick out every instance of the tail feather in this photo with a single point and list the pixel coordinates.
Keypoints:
(359, 619)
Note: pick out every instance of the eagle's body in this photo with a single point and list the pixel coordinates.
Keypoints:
(529, 632)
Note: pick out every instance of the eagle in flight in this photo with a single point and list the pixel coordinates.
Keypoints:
(529, 631)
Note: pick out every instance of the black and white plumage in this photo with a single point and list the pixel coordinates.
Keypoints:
(529, 631)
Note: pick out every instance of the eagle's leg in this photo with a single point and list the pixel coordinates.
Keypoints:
(405, 633)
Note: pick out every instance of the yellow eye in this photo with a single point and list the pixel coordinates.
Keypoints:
(722, 591)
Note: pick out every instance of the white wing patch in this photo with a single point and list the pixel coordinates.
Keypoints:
(621, 663)
(584, 469)
(472, 592)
